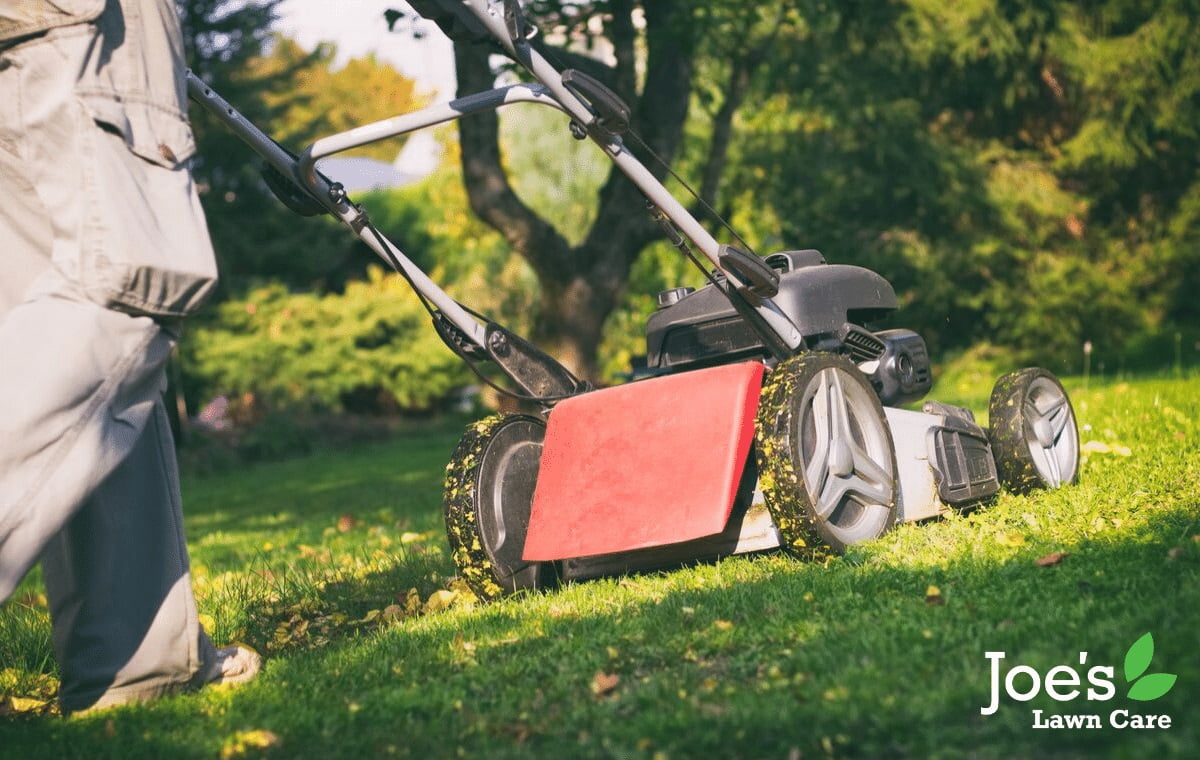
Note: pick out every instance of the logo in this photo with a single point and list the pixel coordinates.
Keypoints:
(1066, 683)
(1145, 687)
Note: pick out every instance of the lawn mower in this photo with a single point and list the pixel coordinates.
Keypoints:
(772, 410)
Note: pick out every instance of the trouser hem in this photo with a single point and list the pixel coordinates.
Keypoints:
(121, 695)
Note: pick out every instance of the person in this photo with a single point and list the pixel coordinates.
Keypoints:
(103, 250)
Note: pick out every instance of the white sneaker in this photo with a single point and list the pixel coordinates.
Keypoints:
(231, 665)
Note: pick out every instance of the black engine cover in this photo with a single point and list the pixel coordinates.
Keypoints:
(702, 328)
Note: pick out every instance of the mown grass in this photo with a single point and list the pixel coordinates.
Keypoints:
(336, 568)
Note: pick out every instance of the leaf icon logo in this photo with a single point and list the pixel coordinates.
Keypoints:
(1145, 688)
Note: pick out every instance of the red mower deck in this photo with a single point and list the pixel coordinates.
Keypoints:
(645, 464)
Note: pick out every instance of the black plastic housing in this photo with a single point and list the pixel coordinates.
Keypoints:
(702, 328)
(903, 373)
(961, 459)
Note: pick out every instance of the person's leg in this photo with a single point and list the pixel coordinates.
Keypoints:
(125, 624)
(78, 382)
(87, 468)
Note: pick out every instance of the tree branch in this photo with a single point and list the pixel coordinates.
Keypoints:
(722, 134)
(736, 88)
(622, 225)
(490, 195)
(624, 37)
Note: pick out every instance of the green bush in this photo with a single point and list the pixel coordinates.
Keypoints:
(369, 349)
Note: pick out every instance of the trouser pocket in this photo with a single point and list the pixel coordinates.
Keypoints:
(146, 245)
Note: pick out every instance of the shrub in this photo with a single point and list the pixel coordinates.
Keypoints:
(369, 349)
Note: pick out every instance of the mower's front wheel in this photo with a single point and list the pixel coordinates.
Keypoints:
(826, 460)
(488, 496)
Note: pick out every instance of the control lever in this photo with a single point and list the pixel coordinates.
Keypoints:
(612, 115)
(514, 20)
(759, 279)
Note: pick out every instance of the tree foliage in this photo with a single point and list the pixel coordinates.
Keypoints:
(1018, 168)
(1025, 172)
(320, 99)
(295, 97)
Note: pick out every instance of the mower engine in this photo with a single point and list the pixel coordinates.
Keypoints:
(833, 306)
(942, 457)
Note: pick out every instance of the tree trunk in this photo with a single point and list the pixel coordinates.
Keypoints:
(582, 285)
(570, 322)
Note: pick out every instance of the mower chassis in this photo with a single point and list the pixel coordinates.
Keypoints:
(751, 529)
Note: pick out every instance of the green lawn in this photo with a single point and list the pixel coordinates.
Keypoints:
(335, 567)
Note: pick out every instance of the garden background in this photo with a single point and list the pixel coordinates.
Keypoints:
(1027, 175)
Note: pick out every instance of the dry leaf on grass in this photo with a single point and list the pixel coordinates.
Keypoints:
(23, 706)
(243, 743)
(1051, 559)
(604, 683)
(1010, 539)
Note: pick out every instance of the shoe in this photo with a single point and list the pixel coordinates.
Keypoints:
(231, 665)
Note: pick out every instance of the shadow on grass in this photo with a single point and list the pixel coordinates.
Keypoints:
(754, 657)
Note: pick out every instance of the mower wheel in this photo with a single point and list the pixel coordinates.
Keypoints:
(825, 454)
(488, 496)
(1032, 431)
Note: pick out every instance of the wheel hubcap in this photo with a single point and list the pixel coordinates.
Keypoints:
(848, 471)
(1050, 432)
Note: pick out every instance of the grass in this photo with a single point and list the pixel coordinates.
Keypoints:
(336, 568)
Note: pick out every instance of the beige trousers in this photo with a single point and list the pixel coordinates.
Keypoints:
(88, 481)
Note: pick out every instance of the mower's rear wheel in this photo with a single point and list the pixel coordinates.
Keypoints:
(1032, 431)
(826, 458)
(488, 496)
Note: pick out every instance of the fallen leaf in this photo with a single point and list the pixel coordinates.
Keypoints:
(723, 625)
(1100, 447)
(1175, 552)
(1051, 559)
(346, 523)
(392, 613)
(19, 705)
(370, 617)
(604, 683)
(933, 596)
(412, 601)
(440, 600)
(241, 743)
